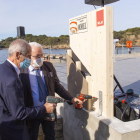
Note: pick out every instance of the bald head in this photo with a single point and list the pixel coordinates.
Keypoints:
(19, 45)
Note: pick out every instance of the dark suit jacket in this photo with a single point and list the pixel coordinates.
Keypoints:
(52, 83)
(12, 108)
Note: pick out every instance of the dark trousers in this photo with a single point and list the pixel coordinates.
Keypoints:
(47, 126)
(14, 131)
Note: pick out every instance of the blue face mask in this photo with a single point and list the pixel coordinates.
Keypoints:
(25, 64)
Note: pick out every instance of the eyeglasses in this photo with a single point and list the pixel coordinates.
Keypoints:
(38, 56)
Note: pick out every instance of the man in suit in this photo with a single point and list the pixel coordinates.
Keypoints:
(51, 84)
(13, 112)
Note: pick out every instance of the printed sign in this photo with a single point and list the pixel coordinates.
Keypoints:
(78, 25)
(100, 18)
(129, 44)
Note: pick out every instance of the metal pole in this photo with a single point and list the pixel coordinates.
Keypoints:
(114, 44)
(50, 49)
(122, 48)
(118, 84)
(128, 50)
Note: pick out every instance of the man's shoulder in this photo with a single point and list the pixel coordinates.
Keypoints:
(48, 64)
(7, 75)
(2, 65)
(5, 69)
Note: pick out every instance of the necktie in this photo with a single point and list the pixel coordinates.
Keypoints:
(41, 86)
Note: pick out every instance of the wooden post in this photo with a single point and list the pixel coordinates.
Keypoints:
(89, 80)
(91, 39)
(78, 65)
(69, 52)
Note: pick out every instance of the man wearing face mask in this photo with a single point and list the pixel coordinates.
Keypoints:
(13, 112)
(39, 81)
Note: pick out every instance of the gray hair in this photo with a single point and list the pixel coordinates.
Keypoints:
(35, 44)
(19, 45)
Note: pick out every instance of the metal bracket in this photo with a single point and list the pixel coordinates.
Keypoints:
(100, 104)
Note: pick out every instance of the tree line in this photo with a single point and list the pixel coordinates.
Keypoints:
(42, 39)
(132, 34)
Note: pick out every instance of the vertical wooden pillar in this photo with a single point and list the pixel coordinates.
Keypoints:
(91, 39)
(89, 80)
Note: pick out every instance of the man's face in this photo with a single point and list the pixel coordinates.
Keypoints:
(36, 53)
(20, 57)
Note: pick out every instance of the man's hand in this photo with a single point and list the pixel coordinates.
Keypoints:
(75, 100)
(50, 107)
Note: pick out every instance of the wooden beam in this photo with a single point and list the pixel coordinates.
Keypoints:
(69, 52)
(78, 65)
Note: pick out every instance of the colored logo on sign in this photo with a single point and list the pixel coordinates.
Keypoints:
(129, 44)
(73, 27)
(100, 18)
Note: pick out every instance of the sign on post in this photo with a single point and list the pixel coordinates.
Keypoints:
(78, 25)
(129, 44)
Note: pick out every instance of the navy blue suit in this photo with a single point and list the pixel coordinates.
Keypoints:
(13, 112)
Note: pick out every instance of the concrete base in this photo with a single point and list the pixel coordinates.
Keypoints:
(86, 125)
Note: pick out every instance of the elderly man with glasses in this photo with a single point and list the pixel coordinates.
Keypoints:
(13, 112)
(39, 81)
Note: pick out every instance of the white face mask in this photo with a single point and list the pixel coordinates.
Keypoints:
(37, 63)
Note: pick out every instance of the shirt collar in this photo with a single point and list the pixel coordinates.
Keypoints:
(15, 66)
(31, 68)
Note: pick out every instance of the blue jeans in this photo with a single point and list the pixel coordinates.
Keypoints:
(47, 126)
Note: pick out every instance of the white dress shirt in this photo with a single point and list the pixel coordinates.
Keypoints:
(34, 85)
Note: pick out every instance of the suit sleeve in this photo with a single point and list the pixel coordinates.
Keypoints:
(14, 100)
(59, 89)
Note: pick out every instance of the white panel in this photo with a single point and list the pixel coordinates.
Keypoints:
(93, 45)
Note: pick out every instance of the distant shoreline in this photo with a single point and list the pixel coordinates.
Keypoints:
(3, 48)
(64, 48)
(124, 46)
(43, 48)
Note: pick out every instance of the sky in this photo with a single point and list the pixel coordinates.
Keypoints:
(51, 17)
